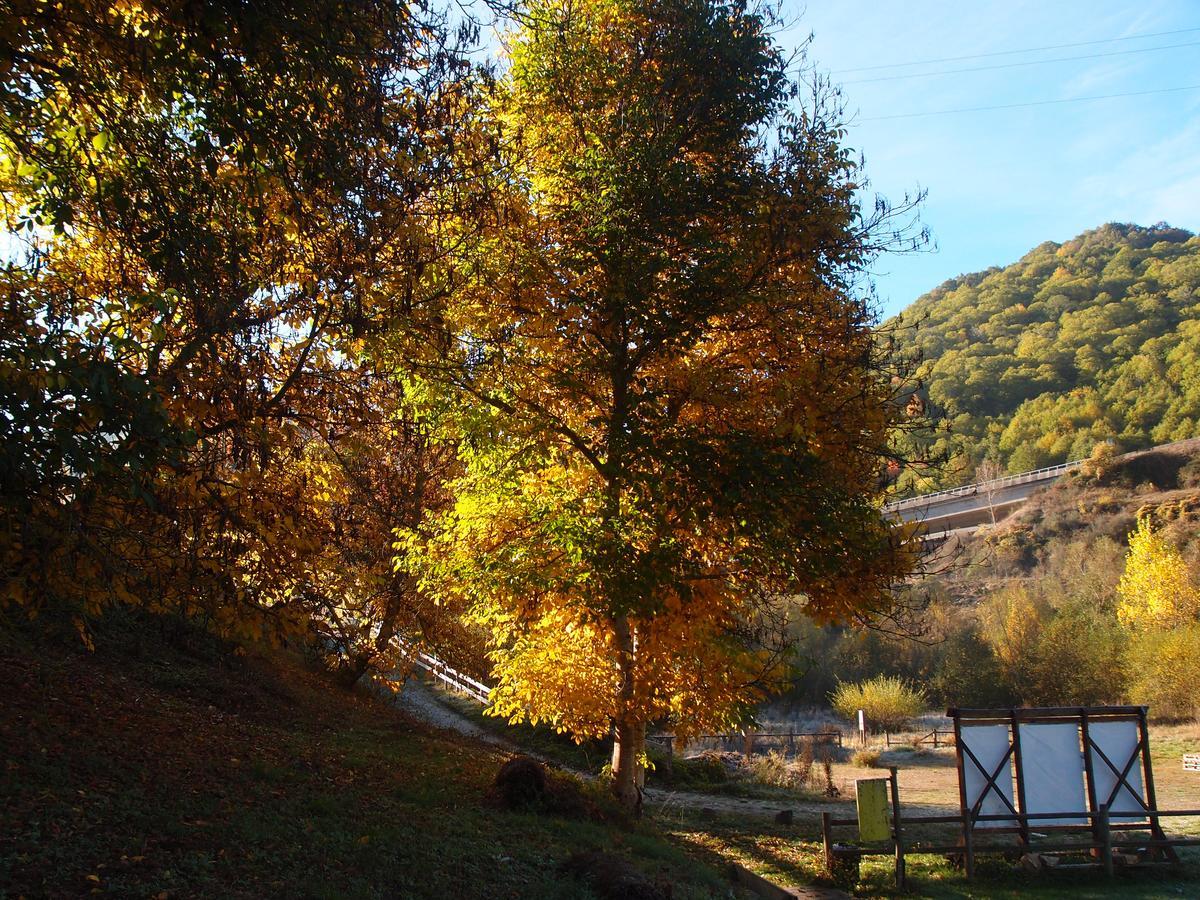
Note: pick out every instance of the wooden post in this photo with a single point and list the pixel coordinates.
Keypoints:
(1148, 777)
(898, 832)
(967, 824)
(968, 848)
(748, 744)
(791, 743)
(1106, 856)
(827, 841)
(1090, 777)
(1022, 823)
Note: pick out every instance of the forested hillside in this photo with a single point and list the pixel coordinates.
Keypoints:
(1089, 594)
(1091, 340)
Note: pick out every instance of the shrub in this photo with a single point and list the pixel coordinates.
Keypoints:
(706, 770)
(520, 782)
(889, 702)
(1101, 461)
(776, 769)
(866, 759)
(968, 674)
(827, 770)
(804, 762)
(1165, 666)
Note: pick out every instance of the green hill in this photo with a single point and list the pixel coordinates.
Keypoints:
(1091, 340)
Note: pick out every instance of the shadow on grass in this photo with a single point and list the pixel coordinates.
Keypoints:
(791, 859)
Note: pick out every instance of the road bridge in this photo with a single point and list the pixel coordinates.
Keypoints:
(961, 510)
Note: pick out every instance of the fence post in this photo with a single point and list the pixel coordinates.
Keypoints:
(898, 833)
(827, 840)
(968, 847)
(1106, 855)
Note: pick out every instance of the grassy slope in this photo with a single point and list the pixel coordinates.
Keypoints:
(151, 769)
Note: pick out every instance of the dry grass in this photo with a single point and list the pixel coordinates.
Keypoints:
(867, 758)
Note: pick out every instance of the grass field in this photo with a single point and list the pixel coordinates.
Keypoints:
(155, 769)
(779, 854)
(928, 784)
(163, 766)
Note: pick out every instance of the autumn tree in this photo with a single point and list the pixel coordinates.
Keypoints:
(201, 200)
(1157, 589)
(987, 472)
(673, 413)
(382, 469)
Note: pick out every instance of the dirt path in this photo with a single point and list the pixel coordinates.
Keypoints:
(663, 803)
(422, 703)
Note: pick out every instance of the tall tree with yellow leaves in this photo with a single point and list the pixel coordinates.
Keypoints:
(674, 414)
(1157, 589)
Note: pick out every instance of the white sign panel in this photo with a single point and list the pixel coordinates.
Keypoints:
(1119, 741)
(1052, 766)
(989, 744)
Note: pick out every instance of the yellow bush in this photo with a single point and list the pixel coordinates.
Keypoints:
(866, 759)
(890, 703)
(1166, 668)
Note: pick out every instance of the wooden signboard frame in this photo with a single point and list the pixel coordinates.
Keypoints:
(1096, 823)
(1012, 766)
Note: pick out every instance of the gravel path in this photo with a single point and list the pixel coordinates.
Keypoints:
(422, 703)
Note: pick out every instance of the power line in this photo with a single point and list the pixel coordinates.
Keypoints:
(944, 59)
(1014, 65)
(946, 112)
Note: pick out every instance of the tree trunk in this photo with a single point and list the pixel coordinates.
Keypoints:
(629, 739)
(629, 745)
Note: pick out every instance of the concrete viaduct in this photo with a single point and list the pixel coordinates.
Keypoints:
(961, 510)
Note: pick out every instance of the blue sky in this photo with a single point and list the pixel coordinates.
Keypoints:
(1002, 181)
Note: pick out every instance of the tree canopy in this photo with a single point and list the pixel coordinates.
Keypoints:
(1157, 589)
(314, 330)
(674, 412)
(201, 201)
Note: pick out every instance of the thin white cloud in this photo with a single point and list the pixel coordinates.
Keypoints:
(1154, 181)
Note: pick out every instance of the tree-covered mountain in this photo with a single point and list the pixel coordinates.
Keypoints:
(1096, 339)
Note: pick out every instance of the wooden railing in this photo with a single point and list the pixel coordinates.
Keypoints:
(747, 742)
(938, 737)
(452, 678)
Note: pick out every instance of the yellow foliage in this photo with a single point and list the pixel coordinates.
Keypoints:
(1165, 667)
(673, 413)
(1157, 589)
